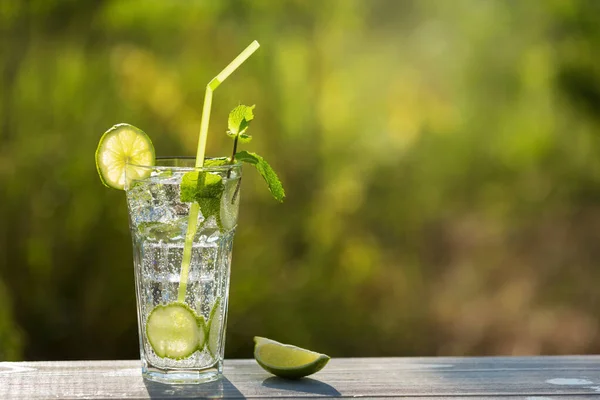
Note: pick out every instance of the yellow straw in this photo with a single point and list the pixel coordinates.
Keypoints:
(195, 208)
(212, 85)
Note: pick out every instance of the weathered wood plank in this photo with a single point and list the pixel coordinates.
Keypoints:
(494, 377)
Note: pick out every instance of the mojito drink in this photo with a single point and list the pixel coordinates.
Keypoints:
(181, 337)
(182, 215)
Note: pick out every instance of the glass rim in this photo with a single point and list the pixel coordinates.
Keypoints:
(190, 159)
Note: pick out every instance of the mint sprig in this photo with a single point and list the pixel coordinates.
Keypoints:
(239, 120)
(206, 188)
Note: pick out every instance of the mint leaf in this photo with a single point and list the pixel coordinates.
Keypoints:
(275, 186)
(196, 185)
(159, 230)
(189, 183)
(209, 186)
(205, 188)
(239, 120)
(211, 206)
(216, 162)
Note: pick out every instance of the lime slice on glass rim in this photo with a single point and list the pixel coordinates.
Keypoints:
(287, 361)
(119, 147)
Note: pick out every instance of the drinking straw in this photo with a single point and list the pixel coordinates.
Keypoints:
(204, 121)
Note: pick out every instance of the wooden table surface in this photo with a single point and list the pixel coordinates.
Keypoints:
(533, 378)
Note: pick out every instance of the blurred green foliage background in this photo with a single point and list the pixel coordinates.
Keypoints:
(441, 160)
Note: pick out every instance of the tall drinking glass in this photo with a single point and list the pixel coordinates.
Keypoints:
(184, 341)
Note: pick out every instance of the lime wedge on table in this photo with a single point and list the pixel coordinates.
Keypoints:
(122, 144)
(175, 331)
(287, 361)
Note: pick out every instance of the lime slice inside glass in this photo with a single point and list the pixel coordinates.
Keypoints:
(287, 361)
(230, 204)
(174, 331)
(119, 147)
(215, 322)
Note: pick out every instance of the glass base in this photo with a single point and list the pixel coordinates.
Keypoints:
(182, 377)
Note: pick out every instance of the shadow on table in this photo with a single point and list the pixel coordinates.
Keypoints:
(212, 390)
(305, 385)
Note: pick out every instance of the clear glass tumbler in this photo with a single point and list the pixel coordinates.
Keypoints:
(172, 350)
